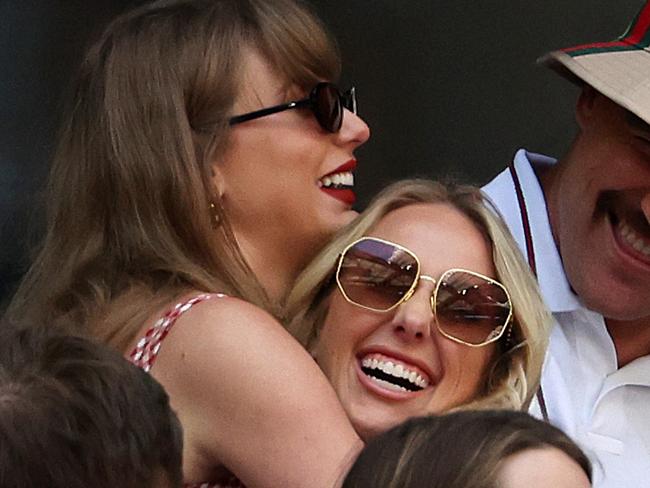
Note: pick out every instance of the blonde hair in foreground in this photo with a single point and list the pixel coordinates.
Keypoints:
(514, 373)
(133, 216)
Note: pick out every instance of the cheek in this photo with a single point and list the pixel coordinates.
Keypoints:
(344, 328)
(295, 150)
(470, 367)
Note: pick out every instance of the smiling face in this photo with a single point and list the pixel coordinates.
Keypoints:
(274, 174)
(600, 209)
(437, 372)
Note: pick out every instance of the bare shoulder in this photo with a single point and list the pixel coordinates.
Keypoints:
(216, 332)
(221, 323)
(247, 391)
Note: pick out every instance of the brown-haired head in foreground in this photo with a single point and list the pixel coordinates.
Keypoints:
(134, 218)
(74, 414)
(515, 371)
(457, 450)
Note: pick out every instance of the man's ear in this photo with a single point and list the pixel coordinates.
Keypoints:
(585, 105)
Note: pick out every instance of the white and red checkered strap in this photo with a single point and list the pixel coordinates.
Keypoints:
(146, 350)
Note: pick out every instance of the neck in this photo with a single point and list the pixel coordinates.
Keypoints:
(275, 262)
(631, 338)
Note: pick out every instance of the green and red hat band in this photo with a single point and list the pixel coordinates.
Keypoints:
(637, 36)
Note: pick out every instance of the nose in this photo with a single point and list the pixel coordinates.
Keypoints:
(353, 130)
(414, 318)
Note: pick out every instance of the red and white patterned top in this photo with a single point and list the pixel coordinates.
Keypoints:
(146, 351)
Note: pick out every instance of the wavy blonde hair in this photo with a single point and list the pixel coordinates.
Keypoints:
(514, 374)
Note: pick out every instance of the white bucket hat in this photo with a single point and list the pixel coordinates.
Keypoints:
(618, 69)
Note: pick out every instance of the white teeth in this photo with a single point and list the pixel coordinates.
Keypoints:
(388, 368)
(633, 239)
(388, 385)
(396, 370)
(345, 178)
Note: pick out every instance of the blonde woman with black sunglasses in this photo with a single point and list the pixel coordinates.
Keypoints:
(422, 305)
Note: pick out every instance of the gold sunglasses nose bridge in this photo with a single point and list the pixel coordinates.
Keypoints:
(431, 279)
(428, 278)
(412, 290)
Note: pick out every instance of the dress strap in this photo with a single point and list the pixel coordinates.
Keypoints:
(145, 352)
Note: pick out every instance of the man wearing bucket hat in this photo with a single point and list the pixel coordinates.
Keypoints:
(584, 224)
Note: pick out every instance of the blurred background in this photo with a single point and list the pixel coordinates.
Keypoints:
(449, 89)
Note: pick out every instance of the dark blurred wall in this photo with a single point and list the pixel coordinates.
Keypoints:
(451, 88)
(41, 43)
(448, 88)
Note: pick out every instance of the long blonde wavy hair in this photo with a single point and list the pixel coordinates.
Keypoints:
(133, 216)
(514, 374)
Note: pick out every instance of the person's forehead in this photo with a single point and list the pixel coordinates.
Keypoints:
(440, 235)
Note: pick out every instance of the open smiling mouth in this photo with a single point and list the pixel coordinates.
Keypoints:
(633, 234)
(634, 240)
(337, 181)
(393, 376)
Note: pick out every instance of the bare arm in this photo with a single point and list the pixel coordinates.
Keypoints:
(252, 398)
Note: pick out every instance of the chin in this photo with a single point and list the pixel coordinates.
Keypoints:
(345, 218)
(367, 430)
(626, 314)
(627, 305)
(329, 225)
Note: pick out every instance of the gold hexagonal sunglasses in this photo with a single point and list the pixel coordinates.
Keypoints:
(468, 307)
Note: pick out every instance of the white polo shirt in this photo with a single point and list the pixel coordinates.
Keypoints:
(604, 409)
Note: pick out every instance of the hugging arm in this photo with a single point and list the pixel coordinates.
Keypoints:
(252, 399)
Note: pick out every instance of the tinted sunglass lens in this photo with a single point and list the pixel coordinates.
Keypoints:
(327, 107)
(471, 308)
(349, 100)
(376, 274)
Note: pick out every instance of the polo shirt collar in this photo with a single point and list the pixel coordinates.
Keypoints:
(550, 273)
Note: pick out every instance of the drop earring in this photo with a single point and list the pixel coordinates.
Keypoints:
(508, 340)
(214, 213)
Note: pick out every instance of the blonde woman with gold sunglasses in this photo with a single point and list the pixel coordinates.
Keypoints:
(422, 305)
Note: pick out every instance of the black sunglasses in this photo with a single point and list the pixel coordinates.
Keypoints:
(325, 100)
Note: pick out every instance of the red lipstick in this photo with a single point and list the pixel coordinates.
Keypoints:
(345, 195)
(341, 192)
(349, 166)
